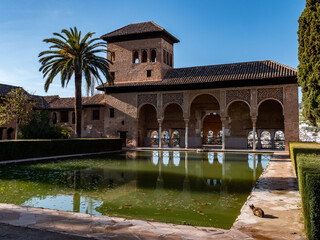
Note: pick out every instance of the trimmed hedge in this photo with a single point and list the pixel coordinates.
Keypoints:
(302, 148)
(20, 149)
(306, 158)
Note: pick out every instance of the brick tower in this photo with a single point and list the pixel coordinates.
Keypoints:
(140, 52)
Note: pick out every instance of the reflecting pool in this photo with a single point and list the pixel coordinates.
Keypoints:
(203, 189)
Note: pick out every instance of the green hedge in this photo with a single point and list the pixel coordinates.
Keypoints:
(20, 149)
(306, 158)
(303, 148)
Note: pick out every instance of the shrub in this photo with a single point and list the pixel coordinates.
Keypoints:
(306, 159)
(37, 126)
(22, 149)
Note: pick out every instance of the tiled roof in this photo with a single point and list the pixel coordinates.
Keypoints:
(55, 102)
(257, 71)
(138, 29)
(5, 89)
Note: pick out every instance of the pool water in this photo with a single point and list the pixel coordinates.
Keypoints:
(201, 189)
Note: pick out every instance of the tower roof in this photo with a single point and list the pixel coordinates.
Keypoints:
(139, 31)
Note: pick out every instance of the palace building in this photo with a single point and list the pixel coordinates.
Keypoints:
(152, 104)
(238, 105)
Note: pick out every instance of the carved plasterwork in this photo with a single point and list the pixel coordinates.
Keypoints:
(265, 93)
(172, 98)
(242, 94)
(147, 98)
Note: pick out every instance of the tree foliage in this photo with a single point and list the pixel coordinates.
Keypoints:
(15, 106)
(309, 60)
(70, 55)
(38, 126)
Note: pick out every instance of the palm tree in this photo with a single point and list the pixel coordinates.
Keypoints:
(68, 55)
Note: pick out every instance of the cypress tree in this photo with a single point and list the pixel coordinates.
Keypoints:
(309, 60)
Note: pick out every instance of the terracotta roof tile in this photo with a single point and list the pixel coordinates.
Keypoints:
(257, 71)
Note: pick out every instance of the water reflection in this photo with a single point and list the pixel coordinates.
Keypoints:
(201, 187)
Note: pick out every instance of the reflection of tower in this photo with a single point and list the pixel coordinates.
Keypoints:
(186, 182)
(160, 183)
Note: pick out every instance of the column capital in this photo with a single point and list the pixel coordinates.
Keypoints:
(160, 121)
(186, 120)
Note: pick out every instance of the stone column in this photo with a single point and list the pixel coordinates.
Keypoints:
(186, 133)
(254, 121)
(160, 138)
(223, 121)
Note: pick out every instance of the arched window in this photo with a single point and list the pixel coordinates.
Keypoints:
(219, 138)
(165, 56)
(54, 118)
(73, 118)
(170, 60)
(153, 55)
(165, 139)
(266, 139)
(144, 56)
(154, 139)
(135, 57)
(279, 140)
(176, 139)
(210, 137)
(168, 57)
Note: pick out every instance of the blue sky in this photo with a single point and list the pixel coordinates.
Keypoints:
(210, 31)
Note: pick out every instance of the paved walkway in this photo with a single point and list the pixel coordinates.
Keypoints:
(276, 193)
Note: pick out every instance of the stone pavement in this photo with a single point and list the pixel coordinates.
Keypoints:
(276, 193)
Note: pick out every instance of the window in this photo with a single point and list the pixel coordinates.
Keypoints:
(113, 75)
(111, 112)
(54, 118)
(153, 55)
(135, 57)
(144, 56)
(73, 118)
(170, 60)
(113, 56)
(64, 116)
(164, 56)
(149, 73)
(95, 115)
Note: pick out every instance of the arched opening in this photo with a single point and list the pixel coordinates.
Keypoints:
(239, 123)
(173, 123)
(265, 139)
(204, 116)
(279, 140)
(155, 157)
(271, 119)
(54, 118)
(153, 55)
(175, 139)
(144, 56)
(211, 127)
(147, 124)
(154, 139)
(135, 57)
(176, 158)
(250, 139)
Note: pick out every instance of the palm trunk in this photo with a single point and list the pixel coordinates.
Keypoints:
(78, 104)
